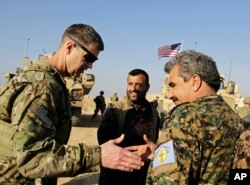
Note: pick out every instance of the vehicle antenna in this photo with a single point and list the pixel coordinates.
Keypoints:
(27, 51)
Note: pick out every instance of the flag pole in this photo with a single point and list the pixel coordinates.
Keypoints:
(181, 45)
(27, 50)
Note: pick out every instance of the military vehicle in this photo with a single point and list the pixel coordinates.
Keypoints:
(79, 88)
(167, 104)
(230, 92)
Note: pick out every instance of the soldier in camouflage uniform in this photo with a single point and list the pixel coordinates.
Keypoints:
(35, 117)
(242, 151)
(198, 138)
(242, 147)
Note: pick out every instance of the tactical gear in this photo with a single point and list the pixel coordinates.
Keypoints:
(35, 127)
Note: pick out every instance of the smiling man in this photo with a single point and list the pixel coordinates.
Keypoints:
(133, 116)
(197, 141)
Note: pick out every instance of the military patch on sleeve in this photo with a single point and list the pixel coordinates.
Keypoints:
(164, 154)
(43, 114)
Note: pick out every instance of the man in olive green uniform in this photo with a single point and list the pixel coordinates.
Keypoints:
(35, 118)
(198, 138)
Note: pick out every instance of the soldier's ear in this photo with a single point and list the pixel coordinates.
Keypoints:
(70, 46)
(196, 82)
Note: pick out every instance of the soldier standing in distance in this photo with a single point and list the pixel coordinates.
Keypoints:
(114, 97)
(100, 104)
(35, 118)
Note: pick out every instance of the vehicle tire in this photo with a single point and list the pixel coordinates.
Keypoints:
(76, 116)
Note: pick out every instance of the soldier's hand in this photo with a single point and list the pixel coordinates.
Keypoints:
(146, 152)
(115, 157)
(143, 128)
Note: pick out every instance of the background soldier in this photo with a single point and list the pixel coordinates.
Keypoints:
(100, 104)
(114, 97)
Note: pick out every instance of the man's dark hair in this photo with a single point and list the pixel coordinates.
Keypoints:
(136, 72)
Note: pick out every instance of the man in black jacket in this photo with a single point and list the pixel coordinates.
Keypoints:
(133, 116)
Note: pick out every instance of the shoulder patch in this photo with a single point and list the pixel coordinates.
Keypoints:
(164, 154)
(43, 114)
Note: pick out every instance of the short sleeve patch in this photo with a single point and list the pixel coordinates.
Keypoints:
(164, 154)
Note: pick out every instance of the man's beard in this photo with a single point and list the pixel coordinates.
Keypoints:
(141, 96)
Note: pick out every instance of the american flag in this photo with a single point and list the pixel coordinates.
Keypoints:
(169, 50)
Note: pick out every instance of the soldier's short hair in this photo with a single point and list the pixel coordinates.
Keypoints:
(85, 34)
(192, 62)
(136, 72)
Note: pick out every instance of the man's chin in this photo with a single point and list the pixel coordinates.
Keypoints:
(135, 100)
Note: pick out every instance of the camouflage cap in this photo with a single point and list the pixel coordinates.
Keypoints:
(246, 100)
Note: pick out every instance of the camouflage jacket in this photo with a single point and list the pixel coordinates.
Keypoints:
(242, 151)
(196, 145)
(35, 120)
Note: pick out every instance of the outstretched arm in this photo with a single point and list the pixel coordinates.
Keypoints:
(146, 151)
(115, 157)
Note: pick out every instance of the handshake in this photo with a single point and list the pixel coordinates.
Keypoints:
(126, 159)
